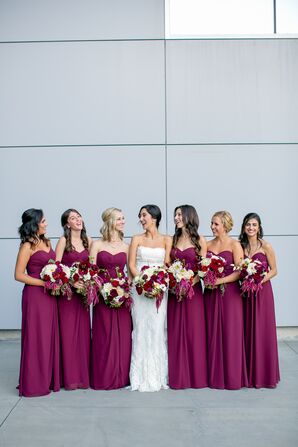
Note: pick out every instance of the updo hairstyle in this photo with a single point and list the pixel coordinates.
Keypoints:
(154, 212)
(226, 219)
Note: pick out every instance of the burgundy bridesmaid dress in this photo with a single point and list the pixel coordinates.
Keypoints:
(187, 344)
(39, 368)
(75, 333)
(260, 336)
(225, 333)
(111, 335)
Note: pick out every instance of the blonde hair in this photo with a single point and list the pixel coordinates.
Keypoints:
(109, 222)
(226, 219)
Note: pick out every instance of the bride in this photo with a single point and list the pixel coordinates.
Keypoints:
(149, 361)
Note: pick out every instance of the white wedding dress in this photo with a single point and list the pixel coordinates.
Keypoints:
(149, 360)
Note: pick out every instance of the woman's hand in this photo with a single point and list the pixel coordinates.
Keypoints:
(78, 284)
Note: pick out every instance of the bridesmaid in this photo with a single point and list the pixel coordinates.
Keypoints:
(74, 319)
(259, 315)
(111, 328)
(39, 366)
(224, 312)
(187, 344)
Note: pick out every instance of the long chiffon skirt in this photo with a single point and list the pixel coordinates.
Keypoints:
(187, 344)
(39, 367)
(111, 347)
(225, 338)
(260, 339)
(75, 341)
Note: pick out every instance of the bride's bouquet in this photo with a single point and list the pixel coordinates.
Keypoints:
(252, 272)
(115, 290)
(181, 280)
(87, 274)
(152, 283)
(56, 277)
(211, 268)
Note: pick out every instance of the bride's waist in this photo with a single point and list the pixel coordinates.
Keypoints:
(149, 264)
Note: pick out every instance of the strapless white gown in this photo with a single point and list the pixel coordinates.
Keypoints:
(149, 360)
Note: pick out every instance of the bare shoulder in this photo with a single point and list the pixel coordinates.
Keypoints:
(137, 239)
(168, 239)
(267, 247)
(202, 240)
(61, 241)
(235, 244)
(236, 247)
(210, 243)
(97, 244)
(25, 248)
(125, 246)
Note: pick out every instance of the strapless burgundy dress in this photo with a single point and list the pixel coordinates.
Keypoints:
(260, 336)
(39, 366)
(111, 335)
(75, 333)
(225, 333)
(187, 344)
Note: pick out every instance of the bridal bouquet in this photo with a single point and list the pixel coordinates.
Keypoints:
(210, 269)
(252, 272)
(56, 277)
(180, 280)
(88, 275)
(115, 291)
(152, 283)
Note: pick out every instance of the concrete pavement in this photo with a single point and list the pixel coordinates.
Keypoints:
(121, 418)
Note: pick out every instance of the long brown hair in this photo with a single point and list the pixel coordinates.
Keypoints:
(191, 221)
(28, 230)
(243, 239)
(67, 231)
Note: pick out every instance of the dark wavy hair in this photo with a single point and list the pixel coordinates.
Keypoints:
(154, 212)
(67, 231)
(28, 231)
(191, 221)
(243, 236)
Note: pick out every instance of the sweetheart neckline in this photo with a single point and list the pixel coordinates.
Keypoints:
(112, 254)
(44, 251)
(177, 248)
(220, 252)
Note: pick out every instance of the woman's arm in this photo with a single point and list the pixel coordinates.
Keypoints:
(94, 249)
(168, 247)
(132, 256)
(21, 265)
(203, 244)
(271, 261)
(60, 247)
(89, 243)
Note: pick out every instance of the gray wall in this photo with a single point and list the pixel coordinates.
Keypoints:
(97, 109)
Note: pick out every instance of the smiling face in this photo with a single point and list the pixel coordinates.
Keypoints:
(42, 227)
(146, 219)
(252, 228)
(119, 221)
(75, 221)
(217, 226)
(178, 218)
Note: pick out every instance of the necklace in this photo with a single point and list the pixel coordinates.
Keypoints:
(252, 250)
(116, 243)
